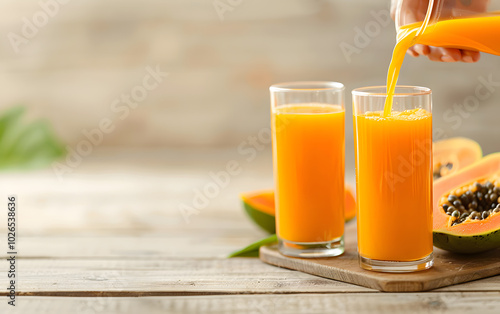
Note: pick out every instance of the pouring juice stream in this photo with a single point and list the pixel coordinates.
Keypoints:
(478, 32)
(384, 232)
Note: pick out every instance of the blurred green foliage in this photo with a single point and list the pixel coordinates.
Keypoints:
(26, 145)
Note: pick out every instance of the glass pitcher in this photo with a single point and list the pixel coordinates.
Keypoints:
(463, 24)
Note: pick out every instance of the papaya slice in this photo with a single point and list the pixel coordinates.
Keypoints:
(466, 208)
(260, 207)
(349, 203)
(453, 154)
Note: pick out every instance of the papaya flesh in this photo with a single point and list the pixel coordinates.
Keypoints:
(469, 231)
(453, 154)
(260, 207)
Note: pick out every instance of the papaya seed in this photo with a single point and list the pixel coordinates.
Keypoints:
(489, 185)
(479, 196)
(473, 202)
(464, 199)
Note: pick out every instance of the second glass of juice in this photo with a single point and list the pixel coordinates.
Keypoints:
(308, 159)
(394, 178)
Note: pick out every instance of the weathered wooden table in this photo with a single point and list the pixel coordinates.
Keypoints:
(110, 238)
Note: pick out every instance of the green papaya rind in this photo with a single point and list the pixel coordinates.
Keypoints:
(263, 220)
(467, 244)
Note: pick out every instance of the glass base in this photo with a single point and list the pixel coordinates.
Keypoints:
(312, 249)
(396, 267)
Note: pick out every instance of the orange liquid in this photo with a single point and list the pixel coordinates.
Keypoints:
(394, 184)
(478, 33)
(308, 155)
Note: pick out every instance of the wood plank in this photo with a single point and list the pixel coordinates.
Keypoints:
(202, 251)
(102, 197)
(448, 269)
(384, 303)
(191, 276)
(146, 276)
(201, 244)
(92, 235)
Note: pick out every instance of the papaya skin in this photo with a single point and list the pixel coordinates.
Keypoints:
(260, 206)
(471, 236)
(467, 244)
(262, 219)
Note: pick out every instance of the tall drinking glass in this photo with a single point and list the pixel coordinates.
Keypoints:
(308, 157)
(394, 178)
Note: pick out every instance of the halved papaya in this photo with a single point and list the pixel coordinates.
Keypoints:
(453, 154)
(260, 207)
(466, 208)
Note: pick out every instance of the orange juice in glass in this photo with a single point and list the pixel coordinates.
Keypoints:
(308, 158)
(394, 178)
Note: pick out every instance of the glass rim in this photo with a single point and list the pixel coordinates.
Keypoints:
(304, 86)
(372, 91)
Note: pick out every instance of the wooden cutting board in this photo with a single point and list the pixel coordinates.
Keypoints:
(449, 269)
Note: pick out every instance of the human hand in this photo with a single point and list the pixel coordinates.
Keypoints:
(414, 10)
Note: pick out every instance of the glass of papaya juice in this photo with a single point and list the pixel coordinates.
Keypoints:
(308, 161)
(393, 178)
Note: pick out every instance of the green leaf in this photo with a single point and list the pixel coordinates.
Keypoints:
(253, 249)
(26, 146)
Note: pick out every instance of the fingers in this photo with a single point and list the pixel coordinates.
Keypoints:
(440, 54)
(422, 50)
(453, 55)
(411, 51)
(469, 56)
(444, 54)
(419, 50)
